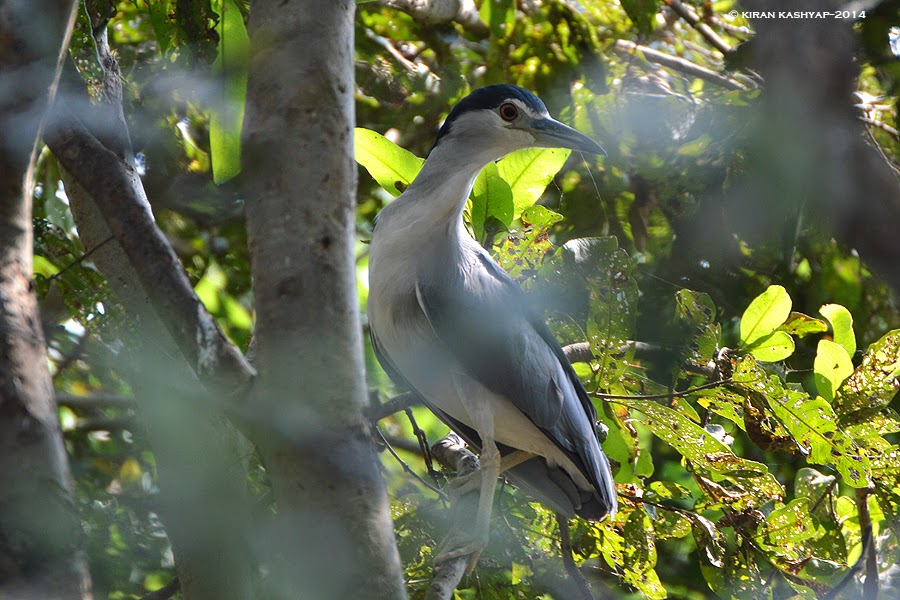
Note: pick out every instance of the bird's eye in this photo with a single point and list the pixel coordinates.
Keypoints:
(508, 111)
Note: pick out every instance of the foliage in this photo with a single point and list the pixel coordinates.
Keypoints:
(752, 439)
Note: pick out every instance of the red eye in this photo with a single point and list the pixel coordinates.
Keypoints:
(508, 111)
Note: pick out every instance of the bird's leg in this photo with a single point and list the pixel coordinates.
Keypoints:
(484, 479)
(471, 543)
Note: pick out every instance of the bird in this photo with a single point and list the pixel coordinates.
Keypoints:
(448, 323)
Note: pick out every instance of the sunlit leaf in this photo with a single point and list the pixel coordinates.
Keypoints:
(227, 118)
(699, 311)
(832, 366)
(701, 447)
(772, 348)
(612, 292)
(875, 382)
(801, 325)
(529, 171)
(767, 311)
(492, 197)
(842, 325)
(393, 167)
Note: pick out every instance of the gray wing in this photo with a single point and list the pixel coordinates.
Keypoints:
(487, 325)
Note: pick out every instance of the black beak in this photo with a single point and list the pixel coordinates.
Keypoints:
(550, 133)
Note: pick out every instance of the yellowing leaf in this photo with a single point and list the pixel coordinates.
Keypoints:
(831, 367)
(842, 325)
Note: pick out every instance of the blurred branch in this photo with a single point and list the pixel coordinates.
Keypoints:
(94, 401)
(394, 405)
(626, 48)
(702, 28)
(437, 12)
(117, 190)
(881, 125)
(71, 356)
(105, 424)
(870, 552)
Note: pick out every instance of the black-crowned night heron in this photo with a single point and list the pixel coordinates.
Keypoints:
(450, 324)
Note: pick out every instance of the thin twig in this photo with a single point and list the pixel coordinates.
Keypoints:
(423, 445)
(408, 469)
(80, 259)
(702, 28)
(394, 405)
(825, 494)
(881, 125)
(665, 396)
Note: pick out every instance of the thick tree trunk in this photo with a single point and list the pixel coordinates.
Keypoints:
(333, 519)
(40, 532)
(813, 141)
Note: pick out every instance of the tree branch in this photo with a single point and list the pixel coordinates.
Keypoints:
(702, 28)
(437, 12)
(627, 48)
(117, 190)
(451, 452)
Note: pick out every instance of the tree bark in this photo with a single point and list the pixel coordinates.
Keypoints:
(300, 177)
(40, 533)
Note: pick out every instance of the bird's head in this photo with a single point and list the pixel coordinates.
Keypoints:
(503, 118)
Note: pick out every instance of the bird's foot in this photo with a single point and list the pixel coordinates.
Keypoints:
(463, 485)
(459, 545)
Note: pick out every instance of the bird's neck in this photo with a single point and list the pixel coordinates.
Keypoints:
(443, 185)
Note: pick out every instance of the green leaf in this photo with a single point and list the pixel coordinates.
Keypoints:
(393, 167)
(702, 448)
(874, 383)
(522, 256)
(767, 311)
(605, 270)
(787, 525)
(226, 120)
(500, 16)
(492, 197)
(528, 172)
(842, 325)
(801, 325)
(811, 423)
(772, 348)
(831, 367)
(639, 561)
